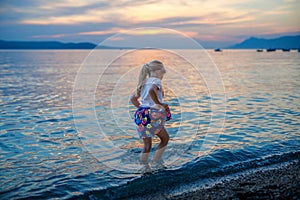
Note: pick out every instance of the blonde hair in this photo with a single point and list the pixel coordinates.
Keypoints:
(146, 71)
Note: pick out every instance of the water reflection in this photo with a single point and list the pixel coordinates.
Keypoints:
(118, 82)
(42, 153)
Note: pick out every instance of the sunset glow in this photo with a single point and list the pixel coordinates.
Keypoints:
(93, 21)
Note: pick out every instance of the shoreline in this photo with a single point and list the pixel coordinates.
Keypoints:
(282, 182)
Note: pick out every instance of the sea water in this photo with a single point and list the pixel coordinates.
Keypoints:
(46, 156)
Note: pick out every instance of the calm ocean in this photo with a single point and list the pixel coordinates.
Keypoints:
(45, 156)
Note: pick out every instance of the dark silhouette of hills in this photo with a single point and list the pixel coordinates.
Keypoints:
(285, 42)
(48, 45)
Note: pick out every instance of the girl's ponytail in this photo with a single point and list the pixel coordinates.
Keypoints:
(142, 77)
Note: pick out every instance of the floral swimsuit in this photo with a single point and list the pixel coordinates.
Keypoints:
(150, 121)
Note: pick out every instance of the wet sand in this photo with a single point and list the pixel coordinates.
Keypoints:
(282, 182)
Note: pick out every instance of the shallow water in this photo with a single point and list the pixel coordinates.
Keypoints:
(44, 155)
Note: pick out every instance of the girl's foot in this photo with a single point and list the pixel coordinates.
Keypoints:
(158, 165)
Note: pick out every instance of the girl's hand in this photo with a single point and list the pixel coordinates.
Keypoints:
(165, 106)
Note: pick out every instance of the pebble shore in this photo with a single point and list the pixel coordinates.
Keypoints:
(274, 183)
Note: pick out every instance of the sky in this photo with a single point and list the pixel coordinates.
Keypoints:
(213, 23)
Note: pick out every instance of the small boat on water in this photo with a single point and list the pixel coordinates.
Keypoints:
(218, 50)
(259, 50)
(271, 49)
(283, 49)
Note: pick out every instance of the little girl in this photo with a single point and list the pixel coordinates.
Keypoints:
(152, 112)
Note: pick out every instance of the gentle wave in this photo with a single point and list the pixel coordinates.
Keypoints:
(44, 154)
(219, 164)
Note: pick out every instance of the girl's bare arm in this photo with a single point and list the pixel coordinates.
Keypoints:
(134, 100)
(153, 94)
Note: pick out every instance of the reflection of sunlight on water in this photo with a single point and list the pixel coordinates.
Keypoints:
(40, 145)
(183, 93)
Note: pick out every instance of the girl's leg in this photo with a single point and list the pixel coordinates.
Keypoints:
(164, 139)
(146, 150)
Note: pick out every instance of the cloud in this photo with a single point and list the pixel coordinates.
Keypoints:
(51, 36)
(289, 1)
(64, 20)
(126, 13)
(87, 33)
(115, 39)
(102, 32)
(200, 19)
(113, 31)
(121, 12)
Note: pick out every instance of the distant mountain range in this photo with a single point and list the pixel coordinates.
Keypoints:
(47, 45)
(286, 42)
